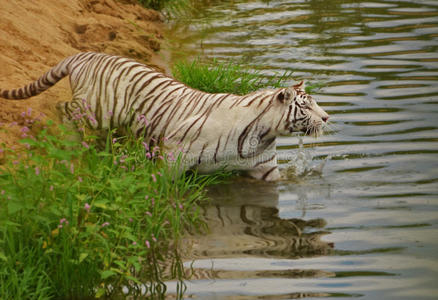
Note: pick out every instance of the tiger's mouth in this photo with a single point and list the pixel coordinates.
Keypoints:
(314, 129)
(314, 126)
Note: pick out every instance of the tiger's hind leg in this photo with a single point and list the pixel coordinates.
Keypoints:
(72, 130)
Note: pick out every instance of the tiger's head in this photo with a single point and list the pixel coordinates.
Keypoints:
(302, 114)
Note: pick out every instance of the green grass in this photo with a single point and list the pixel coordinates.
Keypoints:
(172, 7)
(231, 77)
(220, 77)
(77, 222)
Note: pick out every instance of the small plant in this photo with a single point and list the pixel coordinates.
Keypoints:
(172, 7)
(78, 222)
(219, 77)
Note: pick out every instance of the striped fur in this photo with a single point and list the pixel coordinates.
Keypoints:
(213, 130)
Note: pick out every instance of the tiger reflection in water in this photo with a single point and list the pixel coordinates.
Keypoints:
(244, 221)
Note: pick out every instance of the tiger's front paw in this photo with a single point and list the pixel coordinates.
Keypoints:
(268, 174)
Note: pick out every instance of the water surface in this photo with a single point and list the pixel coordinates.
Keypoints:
(367, 225)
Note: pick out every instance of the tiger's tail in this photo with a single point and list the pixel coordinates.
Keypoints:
(50, 78)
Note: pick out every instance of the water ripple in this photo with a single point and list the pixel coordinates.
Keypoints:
(378, 63)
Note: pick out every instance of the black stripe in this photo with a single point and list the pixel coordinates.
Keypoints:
(288, 117)
(202, 151)
(268, 172)
(246, 131)
(219, 101)
(195, 97)
(217, 149)
(261, 100)
(146, 83)
(128, 105)
(265, 161)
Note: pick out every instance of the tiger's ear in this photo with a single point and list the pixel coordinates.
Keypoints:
(285, 96)
(300, 86)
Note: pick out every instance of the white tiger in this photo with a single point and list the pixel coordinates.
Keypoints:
(213, 130)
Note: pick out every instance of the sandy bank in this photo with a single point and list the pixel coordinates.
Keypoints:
(35, 35)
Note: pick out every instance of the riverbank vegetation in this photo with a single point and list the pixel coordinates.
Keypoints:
(225, 77)
(172, 7)
(78, 222)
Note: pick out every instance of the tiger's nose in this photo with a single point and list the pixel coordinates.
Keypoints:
(325, 118)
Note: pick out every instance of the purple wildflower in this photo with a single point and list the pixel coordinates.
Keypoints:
(92, 119)
(87, 207)
(142, 119)
(147, 244)
(37, 171)
(85, 145)
(154, 179)
(105, 224)
(108, 116)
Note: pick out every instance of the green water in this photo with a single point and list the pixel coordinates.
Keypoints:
(367, 224)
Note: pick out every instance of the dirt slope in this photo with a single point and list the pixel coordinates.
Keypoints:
(36, 34)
